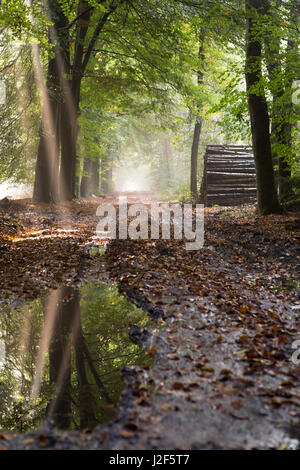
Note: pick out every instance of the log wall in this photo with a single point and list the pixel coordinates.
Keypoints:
(228, 176)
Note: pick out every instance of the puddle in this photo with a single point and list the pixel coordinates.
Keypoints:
(61, 357)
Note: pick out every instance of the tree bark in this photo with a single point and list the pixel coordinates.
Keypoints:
(94, 177)
(280, 129)
(47, 164)
(46, 170)
(85, 190)
(106, 175)
(194, 157)
(197, 130)
(70, 128)
(266, 192)
(292, 73)
(70, 108)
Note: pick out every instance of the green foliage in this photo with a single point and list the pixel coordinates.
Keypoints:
(143, 68)
(19, 115)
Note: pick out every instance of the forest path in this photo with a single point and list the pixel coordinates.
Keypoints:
(224, 377)
(229, 315)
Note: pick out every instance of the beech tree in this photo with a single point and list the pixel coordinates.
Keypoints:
(260, 123)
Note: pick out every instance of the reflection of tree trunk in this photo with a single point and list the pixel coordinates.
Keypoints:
(67, 331)
(86, 401)
(60, 361)
(93, 370)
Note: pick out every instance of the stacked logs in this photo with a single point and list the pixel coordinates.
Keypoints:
(228, 176)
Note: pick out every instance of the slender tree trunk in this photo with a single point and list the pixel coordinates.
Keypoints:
(70, 107)
(95, 177)
(197, 130)
(167, 157)
(85, 190)
(69, 136)
(281, 129)
(106, 175)
(292, 73)
(266, 192)
(194, 157)
(82, 57)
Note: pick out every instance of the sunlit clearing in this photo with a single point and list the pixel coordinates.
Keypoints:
(14, 191)
(128, 179)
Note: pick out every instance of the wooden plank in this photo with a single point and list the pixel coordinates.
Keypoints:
(229, 191)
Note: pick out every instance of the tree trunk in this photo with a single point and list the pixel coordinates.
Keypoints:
(194, 157)
(70, 108)
(46, 170)
(46, 176)
(106, 175)
(197, 130)
(85, 190)
(266, 192)
(94, 177)
(81, 59)
(281, 129)
(292, 73)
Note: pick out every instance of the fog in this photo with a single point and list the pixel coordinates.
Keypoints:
(14, 191)
(130, 179)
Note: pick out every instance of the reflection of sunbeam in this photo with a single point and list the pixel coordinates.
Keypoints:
(50, 313)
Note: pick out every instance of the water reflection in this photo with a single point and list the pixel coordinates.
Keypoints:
(62, 355)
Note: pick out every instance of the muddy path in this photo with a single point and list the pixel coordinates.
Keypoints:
(226, 320)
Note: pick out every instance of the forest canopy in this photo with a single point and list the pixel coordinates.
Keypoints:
(96, 88)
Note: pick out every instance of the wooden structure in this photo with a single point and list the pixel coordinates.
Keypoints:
(228, 176)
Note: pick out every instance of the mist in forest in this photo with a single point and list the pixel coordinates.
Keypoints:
(131, 179)
(15, 191)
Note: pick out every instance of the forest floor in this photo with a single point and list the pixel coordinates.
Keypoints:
(223, 376)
